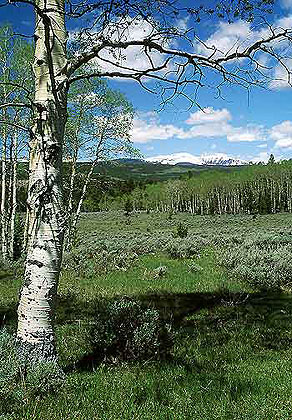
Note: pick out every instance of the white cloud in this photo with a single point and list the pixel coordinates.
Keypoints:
(284, 22)
(210, 130)
(237, 36)
(182, 24)
(286, 4)
(284, 143)
(209, 115)
(209, 123)
(146, 131)
(133, 57)
(261, 157)
(127, 60)
(277, 72)
(227, 38)
(216, 123)
(280, 78)
(246, 134)
(282, 135)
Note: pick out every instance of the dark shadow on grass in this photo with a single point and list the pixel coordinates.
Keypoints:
(176, 306)
(5, 276)
(265, 306)
(8, 315)
(8, 312)
(171, 306)
(268, 314)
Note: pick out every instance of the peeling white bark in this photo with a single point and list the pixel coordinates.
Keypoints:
(45, 207)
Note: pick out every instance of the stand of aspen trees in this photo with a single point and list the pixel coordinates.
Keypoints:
(252, 189)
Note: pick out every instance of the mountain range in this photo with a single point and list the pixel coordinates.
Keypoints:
(183, 159)
(162, 168)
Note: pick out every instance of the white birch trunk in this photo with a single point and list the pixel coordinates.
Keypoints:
(70, 216)
(73, 227)
(25, 233)
(72, 183)
(45, 207)
(13, 196)
(3, 193)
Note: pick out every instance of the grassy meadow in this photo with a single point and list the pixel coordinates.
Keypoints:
(223, 283)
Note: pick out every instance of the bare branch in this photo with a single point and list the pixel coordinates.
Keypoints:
(15, 104)
(195, 59)
(12, 124)
(17, 85)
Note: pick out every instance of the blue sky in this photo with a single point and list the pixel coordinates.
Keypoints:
(243, 126)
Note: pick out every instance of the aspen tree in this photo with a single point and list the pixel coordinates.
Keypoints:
(13, 177)
(45, 200)
(99, 129)
(15, 85)
(55, 70)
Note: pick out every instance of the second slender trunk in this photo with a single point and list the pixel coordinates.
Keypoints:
(73, 226)
(3, 194)
(13, 195)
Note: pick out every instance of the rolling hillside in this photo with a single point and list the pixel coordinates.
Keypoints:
(152, 171)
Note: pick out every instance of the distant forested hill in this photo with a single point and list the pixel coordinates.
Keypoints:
(131, 184)
(140, 170)
(113, 181)
(143, 171)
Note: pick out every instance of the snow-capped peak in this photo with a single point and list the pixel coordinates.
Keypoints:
(205, 159)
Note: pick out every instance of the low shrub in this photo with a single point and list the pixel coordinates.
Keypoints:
(128, 207)
(74, 341)
(266, 241)
(186, 248)
(195, 268)
(88, 262)
(42, 378)
(124, 330)
(262, 261)
(160, 271)
(21, 378)
(10, 373)
(180, 231)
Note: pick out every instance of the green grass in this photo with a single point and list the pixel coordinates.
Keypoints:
(104, 224)
(140, 278)
(232, 356)
(249, 391)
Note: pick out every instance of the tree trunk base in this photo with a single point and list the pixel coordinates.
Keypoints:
(37, 352)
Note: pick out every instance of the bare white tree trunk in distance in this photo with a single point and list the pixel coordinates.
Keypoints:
(13, 195)
(83, 194)
(72, 183)
(3, 194)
